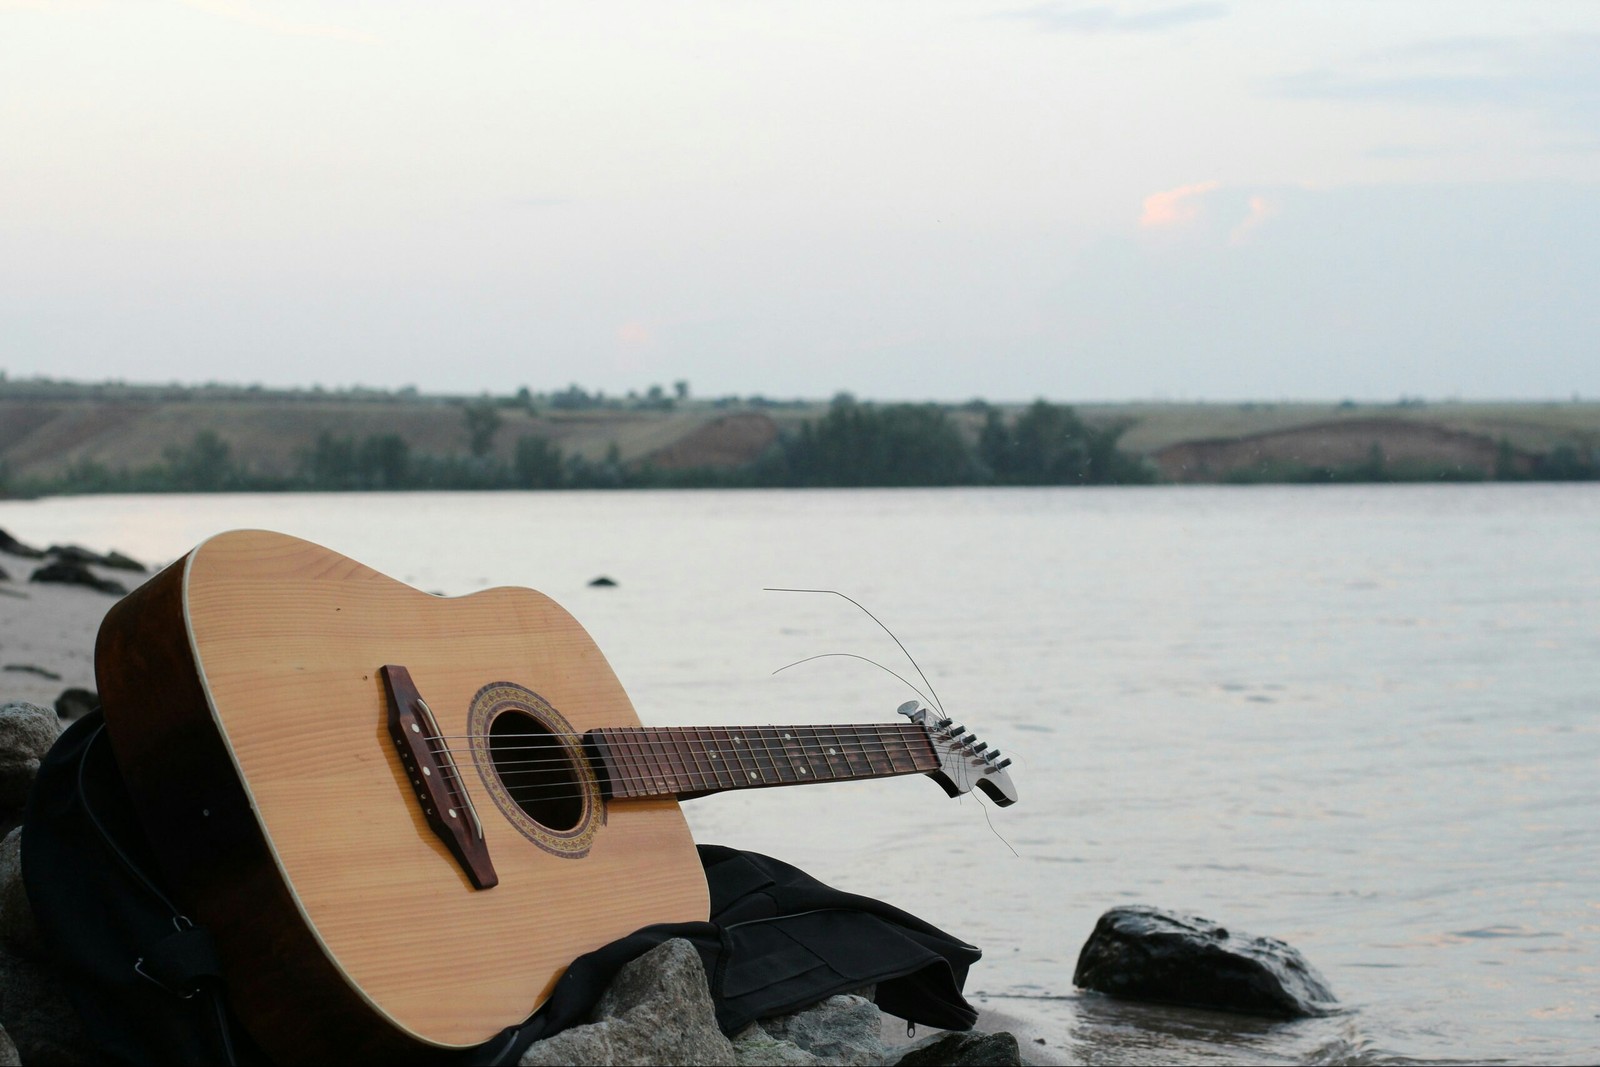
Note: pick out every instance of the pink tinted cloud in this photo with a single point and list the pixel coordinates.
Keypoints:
(1175, 206)
(1261, 209)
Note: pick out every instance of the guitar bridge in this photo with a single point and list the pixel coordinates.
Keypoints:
(431, 769)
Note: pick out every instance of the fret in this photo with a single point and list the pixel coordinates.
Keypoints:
(716, 776)
(749, 773)
(761, 751)
(833, 751)
(695, 758)
(677, 773)
(890, 752)
(799, 746)
(866, 753)
(621, 761)
(708, 755)
(923, 757)
(639, 768)
(872, 748)
(661, 780)
(772, 745)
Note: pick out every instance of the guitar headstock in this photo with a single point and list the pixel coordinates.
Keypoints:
(964, 761)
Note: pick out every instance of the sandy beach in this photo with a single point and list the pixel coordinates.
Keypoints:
(47, 630)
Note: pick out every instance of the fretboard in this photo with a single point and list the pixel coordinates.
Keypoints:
(646, 761)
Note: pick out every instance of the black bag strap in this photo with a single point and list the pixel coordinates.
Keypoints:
(144, 977)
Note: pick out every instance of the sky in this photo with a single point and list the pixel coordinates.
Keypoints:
(928, 199)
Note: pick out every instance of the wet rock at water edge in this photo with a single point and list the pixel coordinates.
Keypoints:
(972, 1049)
(69, 573)
(78, 554)
(14, 547)
(1144, 953)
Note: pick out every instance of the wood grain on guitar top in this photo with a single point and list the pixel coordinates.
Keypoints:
(243, 698)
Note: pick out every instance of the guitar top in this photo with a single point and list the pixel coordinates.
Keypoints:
(403, 815)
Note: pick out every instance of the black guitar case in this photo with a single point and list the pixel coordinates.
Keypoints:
(146, 981)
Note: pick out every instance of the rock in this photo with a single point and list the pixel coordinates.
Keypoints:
(657, 1010)
(18, 931)
(73, 573)
(39, 1016)
(11, 545)
(117, 561)
(603, 582)
(844, 1029)
(971, 1049)
(26, 733)
(29, 668)
(79, 554)
(75, 703)
(1144, 953)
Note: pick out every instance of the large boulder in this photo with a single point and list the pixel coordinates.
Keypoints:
(1144, 953)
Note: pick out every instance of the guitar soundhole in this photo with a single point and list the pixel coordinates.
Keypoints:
(537, 770)
(532, 763)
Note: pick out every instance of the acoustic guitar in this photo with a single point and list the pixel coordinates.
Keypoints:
(402, 815)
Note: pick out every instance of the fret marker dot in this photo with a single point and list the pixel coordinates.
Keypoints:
(753, 774)
(833, 752)
(805, 770)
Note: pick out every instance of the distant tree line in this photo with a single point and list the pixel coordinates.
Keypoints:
(859, 444)
(853, 444)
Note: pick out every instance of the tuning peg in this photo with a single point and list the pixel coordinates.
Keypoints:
(1003, 764)
(952, 728)
(979, 747)
(908, 709)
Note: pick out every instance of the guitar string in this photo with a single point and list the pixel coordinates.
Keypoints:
(817, 751)
(659, 780)
(741, 775)
(699, 750)
(669, 746)
(658, 783)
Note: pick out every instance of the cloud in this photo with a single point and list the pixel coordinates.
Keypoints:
(1261, 209)
(242, 12)
(1558, 75)
(634, 335)
(1175, 206)
(1058, 17)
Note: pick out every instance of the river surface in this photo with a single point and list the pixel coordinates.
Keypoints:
(1365, 720)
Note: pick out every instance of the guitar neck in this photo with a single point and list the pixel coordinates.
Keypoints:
(684, 761)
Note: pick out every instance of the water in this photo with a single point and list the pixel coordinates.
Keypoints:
(1361, 719)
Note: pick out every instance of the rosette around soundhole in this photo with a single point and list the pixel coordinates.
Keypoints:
(532, 764)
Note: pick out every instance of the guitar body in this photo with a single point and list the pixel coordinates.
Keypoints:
(245, 702)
